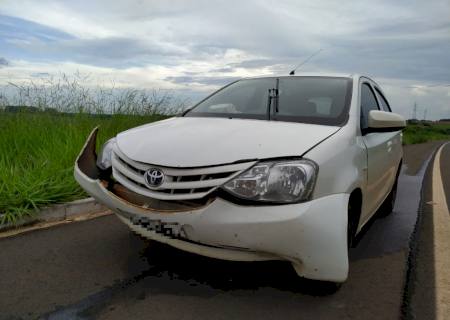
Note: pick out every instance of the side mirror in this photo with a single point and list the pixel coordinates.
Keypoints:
(382, 121)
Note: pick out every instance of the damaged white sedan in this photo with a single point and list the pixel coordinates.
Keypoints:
(272, 168)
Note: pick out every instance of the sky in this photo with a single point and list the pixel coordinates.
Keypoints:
(195, 47)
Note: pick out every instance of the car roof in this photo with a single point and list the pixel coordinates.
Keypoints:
(355, 77)
(309, 74)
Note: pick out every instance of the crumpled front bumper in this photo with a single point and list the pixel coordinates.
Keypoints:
(311, 235)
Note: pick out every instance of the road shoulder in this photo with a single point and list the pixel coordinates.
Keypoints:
(429, 278)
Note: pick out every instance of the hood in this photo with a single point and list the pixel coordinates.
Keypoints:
(195, 142)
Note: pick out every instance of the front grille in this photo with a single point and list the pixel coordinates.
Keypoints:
(179, 183)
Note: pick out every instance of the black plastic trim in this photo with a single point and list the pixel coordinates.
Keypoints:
(379, 130)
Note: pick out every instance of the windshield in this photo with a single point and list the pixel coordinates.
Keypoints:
(316, 100)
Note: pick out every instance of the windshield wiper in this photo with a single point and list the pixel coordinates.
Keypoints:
(269, 103)
(273, 95)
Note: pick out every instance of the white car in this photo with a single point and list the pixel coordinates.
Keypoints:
(271, 168)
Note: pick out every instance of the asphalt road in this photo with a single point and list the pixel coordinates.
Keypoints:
(98, 269)
(445, 171)
(423, 300)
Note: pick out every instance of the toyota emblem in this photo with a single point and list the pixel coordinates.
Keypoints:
(154, 177)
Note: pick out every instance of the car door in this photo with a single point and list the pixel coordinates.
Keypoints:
(395, 150)
(381, 168)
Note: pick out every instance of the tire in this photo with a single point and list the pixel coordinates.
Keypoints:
(388, 205)
(326, 288)
(318, 287)
(352, 224)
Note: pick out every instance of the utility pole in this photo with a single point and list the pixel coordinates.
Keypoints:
(414, 115)
(425, 114)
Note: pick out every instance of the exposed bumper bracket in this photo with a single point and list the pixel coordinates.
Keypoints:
(87, 158)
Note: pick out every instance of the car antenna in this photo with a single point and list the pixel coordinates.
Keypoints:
(305, 61)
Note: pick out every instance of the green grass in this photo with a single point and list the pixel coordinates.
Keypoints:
(37, 154)
(420, 133)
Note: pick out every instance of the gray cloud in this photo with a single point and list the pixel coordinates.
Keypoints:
(3, 62)
(211, 80)
(40, 75)
(112, 51)
(403, 40)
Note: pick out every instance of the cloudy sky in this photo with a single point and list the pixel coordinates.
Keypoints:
(194, 47)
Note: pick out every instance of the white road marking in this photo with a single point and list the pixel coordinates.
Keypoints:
(441, 228)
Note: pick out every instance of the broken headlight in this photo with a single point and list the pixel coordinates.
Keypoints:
(280, 182)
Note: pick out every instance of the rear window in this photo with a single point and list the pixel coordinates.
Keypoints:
(316, 100)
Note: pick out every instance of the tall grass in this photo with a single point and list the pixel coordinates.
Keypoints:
(40, 140)
(71, 94)
(37, 157)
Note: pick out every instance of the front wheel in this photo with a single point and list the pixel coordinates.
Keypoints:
(352, 224)
(318, 287)
(388, 205)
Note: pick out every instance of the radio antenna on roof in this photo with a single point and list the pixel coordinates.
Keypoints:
(305, 61)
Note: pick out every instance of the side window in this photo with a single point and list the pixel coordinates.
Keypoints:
(384, 104)
(368, 102)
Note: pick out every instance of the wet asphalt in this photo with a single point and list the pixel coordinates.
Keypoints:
(97, 269)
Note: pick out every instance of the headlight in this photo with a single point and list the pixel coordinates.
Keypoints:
(104, 158)
(281, 182)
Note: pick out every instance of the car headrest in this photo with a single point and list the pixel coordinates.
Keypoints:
(310, 108)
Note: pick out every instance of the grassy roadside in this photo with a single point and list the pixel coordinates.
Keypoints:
(420, 133)
(37, 152)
